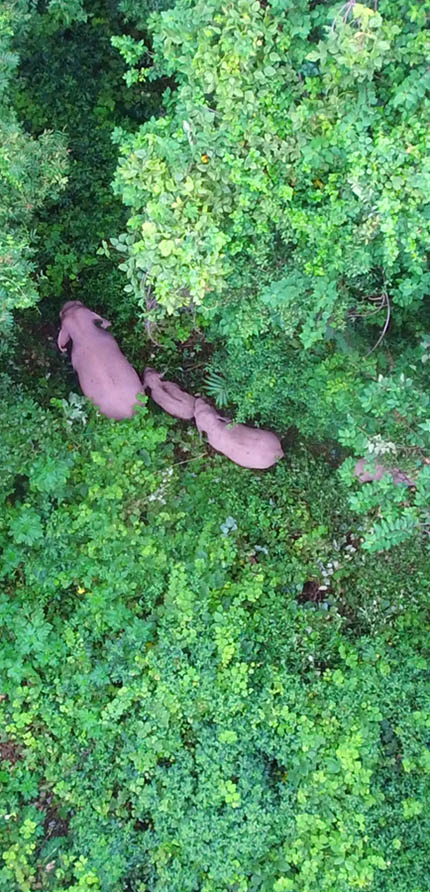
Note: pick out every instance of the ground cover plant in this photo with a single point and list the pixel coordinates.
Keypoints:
(180, 711)
(214, 679)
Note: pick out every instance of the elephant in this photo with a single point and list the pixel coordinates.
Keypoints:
(105, 375)
(367, 476)
(168, 395)
(246, 446)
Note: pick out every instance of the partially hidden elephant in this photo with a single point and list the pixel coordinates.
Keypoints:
(168, 395)
(366, 474)
(105, 375)
(249, 447)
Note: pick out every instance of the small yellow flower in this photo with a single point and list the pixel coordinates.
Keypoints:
(81, 591)
(205, 159)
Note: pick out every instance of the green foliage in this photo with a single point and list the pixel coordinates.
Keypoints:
(399, 408)
(176, 714)
(285, 193)
(209, 679)
(31, 172)
(283, 148)
(71, 80)
(137, 11)
(215, 386)
(64, 12)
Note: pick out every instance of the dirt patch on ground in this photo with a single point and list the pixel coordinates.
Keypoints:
(10, 752)
(54, 824)
(312, 591)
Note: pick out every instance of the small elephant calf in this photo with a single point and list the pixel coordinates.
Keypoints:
(105, 375)
(249, 447)
(169, 396)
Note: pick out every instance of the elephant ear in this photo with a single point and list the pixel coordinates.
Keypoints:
(104, 323)
(63, 338)
(224, 419)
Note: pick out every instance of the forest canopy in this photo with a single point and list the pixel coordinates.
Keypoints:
(214, 679)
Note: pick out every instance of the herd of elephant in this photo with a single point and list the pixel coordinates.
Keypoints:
(108, 379)
(111, 383)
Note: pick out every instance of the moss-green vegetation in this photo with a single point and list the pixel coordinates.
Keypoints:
(206, 684)
(214, 679)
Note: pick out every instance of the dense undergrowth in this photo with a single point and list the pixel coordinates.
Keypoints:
(206, 683)
(211, 679)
